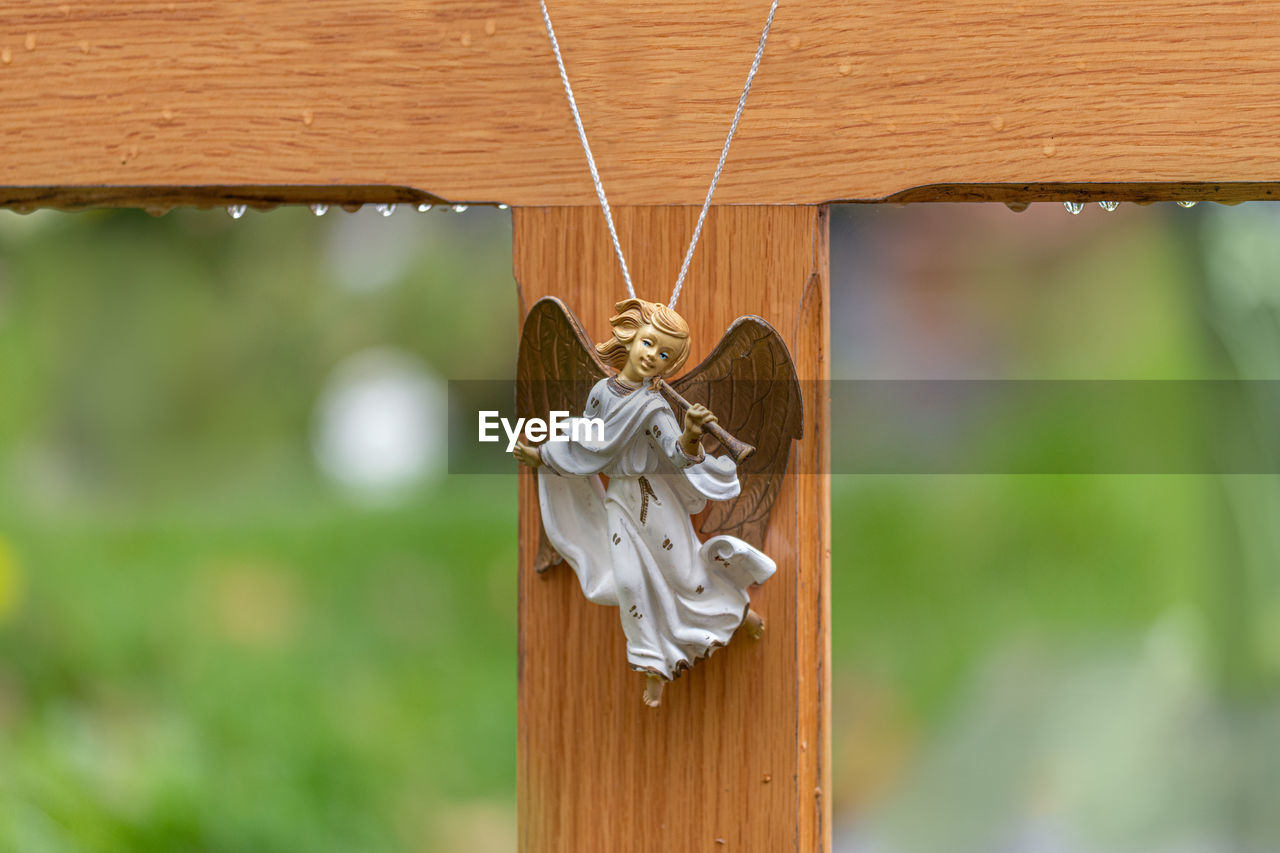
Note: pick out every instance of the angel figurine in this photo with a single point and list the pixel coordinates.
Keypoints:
(632, 543)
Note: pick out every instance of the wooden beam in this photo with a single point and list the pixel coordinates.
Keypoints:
(739, 750)
(460, 99)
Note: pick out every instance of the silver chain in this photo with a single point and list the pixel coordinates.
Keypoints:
(715, 179)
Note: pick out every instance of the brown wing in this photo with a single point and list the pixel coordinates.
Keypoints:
(555, 371)
(749, 382)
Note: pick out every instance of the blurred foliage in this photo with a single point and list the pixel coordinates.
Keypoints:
(203, 645)
(183, 355)
(319, 680)
(1052, 663)
(206, 646)
(969, 562)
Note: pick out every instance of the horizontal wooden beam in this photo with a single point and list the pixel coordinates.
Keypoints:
(460, 100)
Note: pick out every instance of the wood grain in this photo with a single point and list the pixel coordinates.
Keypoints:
(738, 750)
(460, 99)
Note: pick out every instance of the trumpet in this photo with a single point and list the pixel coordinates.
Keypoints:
(737, 449)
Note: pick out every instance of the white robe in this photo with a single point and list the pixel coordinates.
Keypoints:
(633, 545)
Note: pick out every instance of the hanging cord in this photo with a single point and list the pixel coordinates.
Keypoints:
(715, 179)
(591, 161)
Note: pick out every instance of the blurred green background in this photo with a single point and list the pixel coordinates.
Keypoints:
(242, 607)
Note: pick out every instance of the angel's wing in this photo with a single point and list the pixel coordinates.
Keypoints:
(556, 369)
(750, 384)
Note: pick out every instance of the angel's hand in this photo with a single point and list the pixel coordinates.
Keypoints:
(696, 418)
(527, 455)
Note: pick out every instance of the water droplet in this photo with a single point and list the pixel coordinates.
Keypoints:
(308, 117)
(794, 42)
(24, 209)
(1049, 147)
(1017, 206)
(30, 42)
(385, 209)
(997, 122)
(845, 68)
(465, 39)
(490, 27)
(1108, 205)
(503, 206)
(159, 210)
(84, 47)
(1073, 207)
(64, 9)
(166, 114)
(319, 209)
(6, 56)
(1187, 204)
(235, 211)
(459, 208)
(352, 208)
(424, 207)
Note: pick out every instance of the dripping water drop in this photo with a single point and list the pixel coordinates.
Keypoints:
(235, 211)
(503, 206)
(385, 209)
(319, 209)
(424, 207)
(1073, 207)
(1187, 204)
(1108, 205)
(459, 208)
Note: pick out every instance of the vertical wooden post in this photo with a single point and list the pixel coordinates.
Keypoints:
(737, 757)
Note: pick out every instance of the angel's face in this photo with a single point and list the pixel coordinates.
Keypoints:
(651, 354)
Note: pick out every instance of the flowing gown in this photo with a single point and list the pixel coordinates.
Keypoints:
(633, 545)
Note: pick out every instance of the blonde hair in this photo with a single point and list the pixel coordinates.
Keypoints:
(634, 313)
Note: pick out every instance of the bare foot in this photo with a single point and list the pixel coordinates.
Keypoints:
(653, 690)
(754, 623)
